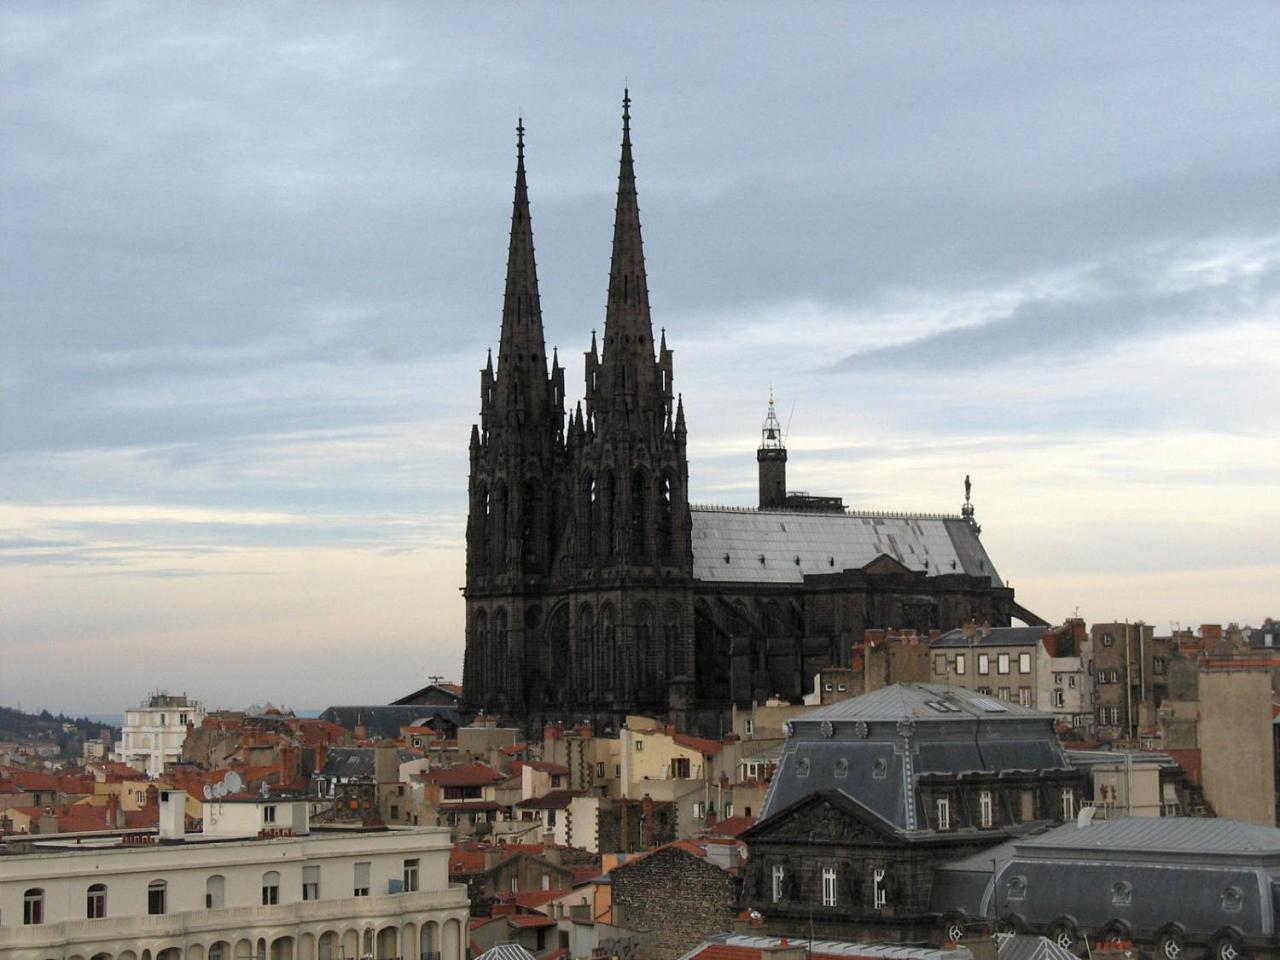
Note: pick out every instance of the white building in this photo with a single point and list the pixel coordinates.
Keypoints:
(154, 732)
(257, 883)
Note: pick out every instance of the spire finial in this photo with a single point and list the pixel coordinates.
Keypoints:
(520, 138)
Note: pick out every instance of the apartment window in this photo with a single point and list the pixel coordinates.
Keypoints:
(879, 888)
(841, 687)
(269, 813)
(1059, 698)
(270, 888)
(1159, 665)
(827, 686)
(395, 812)
(600, 770)
(215, 893)
(1071, 681)
(311, 881)
(779, 875)
(940, 664)
(1024, 696)
(410, 875)
(828, 886)
(959, 664)
(1024, 663)
(1068, 804)
(985, 691)
(96, 902)
(1108, 639)
(617, 770)
(157, 898)
(984, 663)
(1002, 663)
(361, 888)
(33, 907)
(679, 768)
(697, 810)
(1057, 679)
(1005, 693)
(986, 812)
(944, 813)
(752, 770)
(749, 727)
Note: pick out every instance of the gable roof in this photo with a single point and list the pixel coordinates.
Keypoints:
(795, 543)
(464, 775)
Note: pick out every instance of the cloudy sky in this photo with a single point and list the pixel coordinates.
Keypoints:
(253, 257)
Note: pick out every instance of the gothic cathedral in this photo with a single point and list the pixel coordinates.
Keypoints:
(579, 568)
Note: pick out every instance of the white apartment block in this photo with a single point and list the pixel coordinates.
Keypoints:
(154, 732)
(257, 884)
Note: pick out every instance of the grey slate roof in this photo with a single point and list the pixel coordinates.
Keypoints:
(1169, 835)
(919, 701)
(385, 721)
(346, 763)
(874, 748)
(991, 637)
(795, 543)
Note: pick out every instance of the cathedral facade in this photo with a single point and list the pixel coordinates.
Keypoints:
(594, 589)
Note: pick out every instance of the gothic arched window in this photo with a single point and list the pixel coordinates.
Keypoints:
(500, 653)
(587, 664)
(639, 515)
(609, 517)
(588, 518)
(530, 552)
(666, 518)
(608, 647)
(498, 527)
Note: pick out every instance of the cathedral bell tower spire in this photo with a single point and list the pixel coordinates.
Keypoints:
(771, 456)
(522, 373)
(628, 372)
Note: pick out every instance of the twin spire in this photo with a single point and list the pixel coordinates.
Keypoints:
(628, 332)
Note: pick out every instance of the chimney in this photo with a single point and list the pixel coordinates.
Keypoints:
(115, 817)
(173, 815)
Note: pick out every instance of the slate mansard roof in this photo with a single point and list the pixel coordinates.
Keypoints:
(795, 543)
(876, 748)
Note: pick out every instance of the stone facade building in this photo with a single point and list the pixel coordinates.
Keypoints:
(871, 794)
(673, 898)
(594, 589)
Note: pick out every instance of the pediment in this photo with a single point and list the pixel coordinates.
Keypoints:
(827, 819)
(885, 564)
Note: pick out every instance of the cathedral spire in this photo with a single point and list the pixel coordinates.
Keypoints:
(522, 373)
(628, 331)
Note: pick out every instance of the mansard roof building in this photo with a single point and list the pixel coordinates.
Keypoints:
(594, 589)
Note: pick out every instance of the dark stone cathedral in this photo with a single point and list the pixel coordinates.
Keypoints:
(595, 590)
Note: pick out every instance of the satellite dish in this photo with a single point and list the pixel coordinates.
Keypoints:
(220, 790)
(208, 792)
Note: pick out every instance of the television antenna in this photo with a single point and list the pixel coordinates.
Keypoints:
(208, 792)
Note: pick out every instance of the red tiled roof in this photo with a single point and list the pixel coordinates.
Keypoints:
(547, 767)
(732, 826)
(537, 898)
(463, 775)
(707, 748)
(585, 874)
(530, 920)
(555, 800)
(462, 806)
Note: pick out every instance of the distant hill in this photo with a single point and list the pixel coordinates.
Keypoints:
(67, 732)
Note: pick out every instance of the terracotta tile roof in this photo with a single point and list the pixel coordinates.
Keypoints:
(466, 860)
(1188, 760)
(462, 806)
(535, 899)
(546, 767)
(732, 826)
(530, 920)
(585, 874)
(463, 775)
(708, 748)
(555, 800)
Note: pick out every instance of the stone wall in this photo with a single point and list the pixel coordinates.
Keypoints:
(674, 898)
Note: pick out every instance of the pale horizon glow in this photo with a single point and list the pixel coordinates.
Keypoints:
(253, 259)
